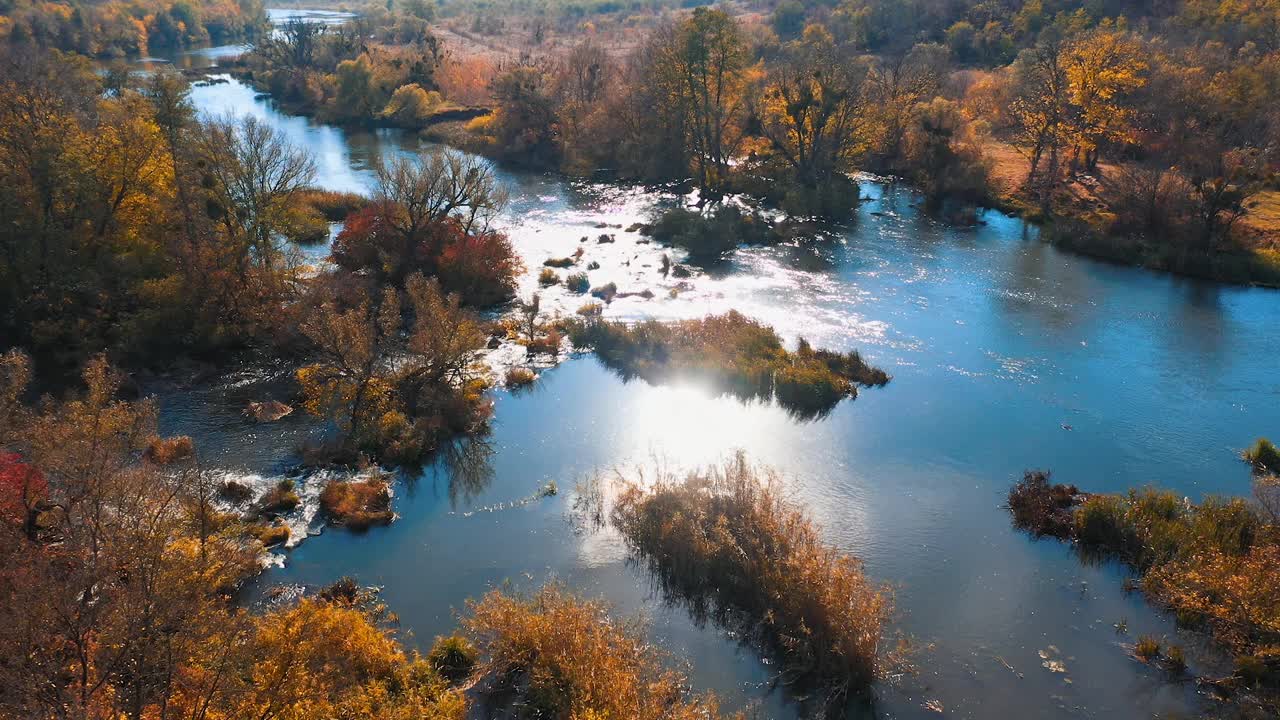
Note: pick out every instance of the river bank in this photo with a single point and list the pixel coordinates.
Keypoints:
(1006, 353)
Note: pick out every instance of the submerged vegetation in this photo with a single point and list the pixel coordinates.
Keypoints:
(733, 354)
(1215, 563)
(728, 545)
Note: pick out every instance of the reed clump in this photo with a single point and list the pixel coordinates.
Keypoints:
(518, 377)
(164, 451)
(357, 504)
(280, 498)
(1263, 455)
(726, 543)
(556, 656)
(1215, 563)
(1043, 508)
(733, 354)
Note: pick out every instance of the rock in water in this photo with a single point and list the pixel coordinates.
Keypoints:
(268, 411)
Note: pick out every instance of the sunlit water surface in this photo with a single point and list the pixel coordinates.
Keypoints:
(1005, 354)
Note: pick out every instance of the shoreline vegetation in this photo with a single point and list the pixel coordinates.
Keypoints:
(1214, 564)
(1128, 142)
(727, 546)
(732, 354)
(86, 510)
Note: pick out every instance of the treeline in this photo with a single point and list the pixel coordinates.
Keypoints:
(131, 28)
(131, 226)
(118, 574)
(136, 229)
(1144, 139)
(379, 67)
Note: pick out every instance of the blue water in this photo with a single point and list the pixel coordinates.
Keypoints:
(1006, 354)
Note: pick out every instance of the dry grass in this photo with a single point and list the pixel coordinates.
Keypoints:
(357, 504)
(270, 535)
(518, 377)
(1263, 213)
(726, 543)
(560, 657)
(280, 498)
(733, 354)
(1216, 563)
(163, 451)
(332, 205)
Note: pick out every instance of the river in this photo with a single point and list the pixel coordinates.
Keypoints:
(1006, 354)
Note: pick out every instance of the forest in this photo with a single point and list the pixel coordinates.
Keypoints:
(1137, 133)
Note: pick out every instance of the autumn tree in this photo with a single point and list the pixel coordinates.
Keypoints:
(391, 396)
(812, 110)
(254, 175)
(706, 63)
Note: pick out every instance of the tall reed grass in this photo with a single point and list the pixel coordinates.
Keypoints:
(727, 544)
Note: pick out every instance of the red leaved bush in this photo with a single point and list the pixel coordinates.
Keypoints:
(21, 487)
(481, 268)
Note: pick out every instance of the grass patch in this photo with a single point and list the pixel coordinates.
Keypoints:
(1263, 455)
(577, 282)
(454, 657)
(563, 262)
(554, 655)
(733, 354)
(280, 499)
(1148, 648)
(726, 543)
(548, 277)
(357, 504)
(1216, 564)
(520, 377)
(164, 451)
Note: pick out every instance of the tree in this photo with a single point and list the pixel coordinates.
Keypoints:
(255, 175)
(812, 111)
(707, 60)
(1101, 68)
(395, 398)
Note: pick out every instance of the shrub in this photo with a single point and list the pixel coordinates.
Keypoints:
(481, 268)
(559, 262)
(270, 535)
(357, 504)
(577, 282)
(453, 657)
(520, 377)
(410, 106)
(605, 292)
(556, 656)
(280, 499)
(163, 451)
(710, 236)
(234, 492)
(1148, 648)
(1263, 455)
(726, 543)
(548, 277)
(1043, 508)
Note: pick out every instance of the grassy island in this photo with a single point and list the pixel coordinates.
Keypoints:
(726, 544)
(732, 353)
